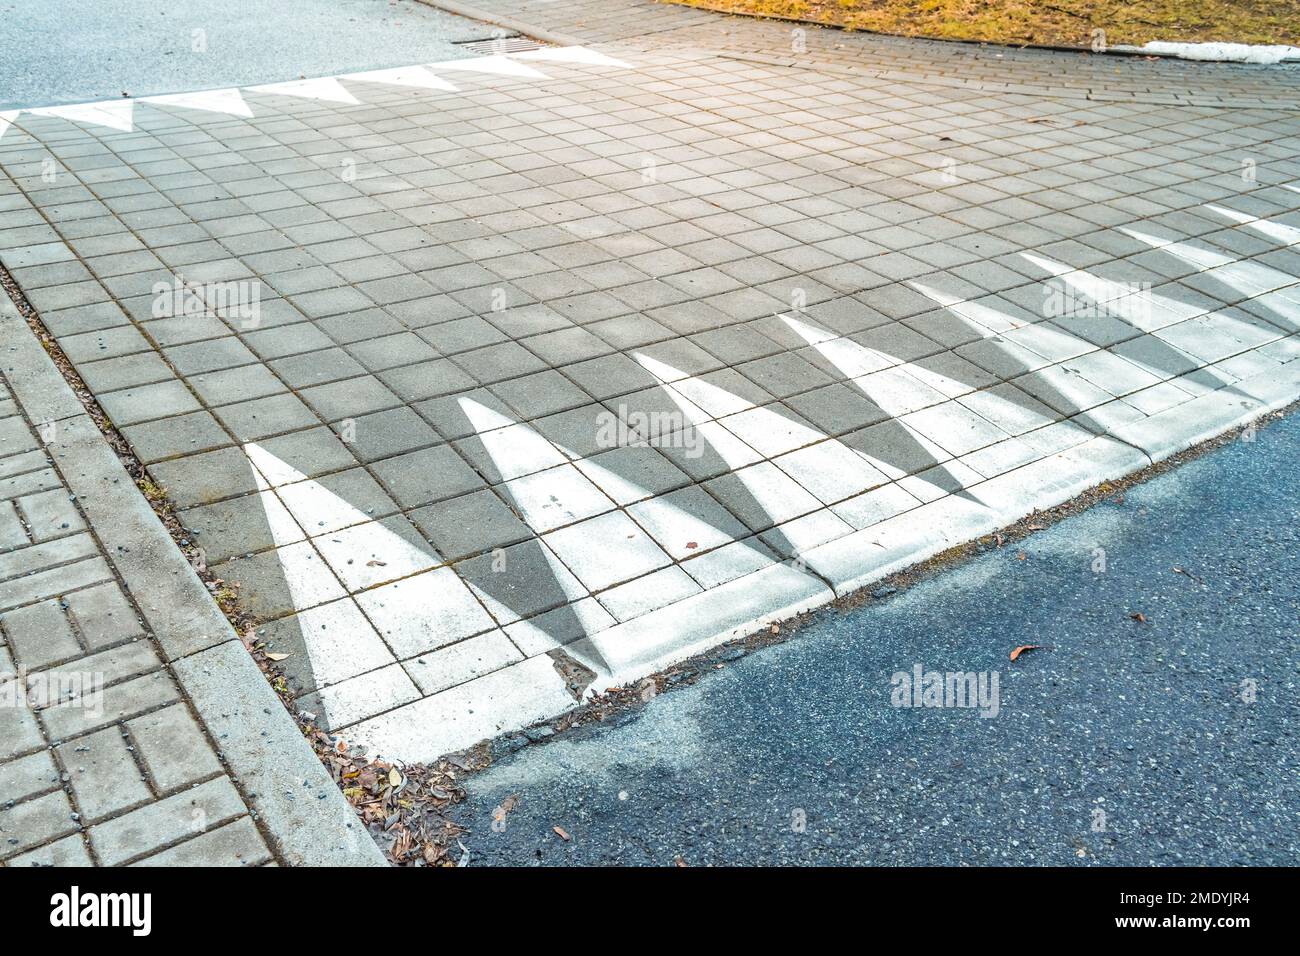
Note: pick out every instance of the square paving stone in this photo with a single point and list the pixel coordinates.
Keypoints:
(404, 348)
(286, 340)
(607, 550)
(178, 435)
(269, 415)
(124, 372)
(336, 501)
(521, 581)
(316, 368)
(498, 362)
(236, 384)
(325, 645)
(388, 433)
(290, 579)
(687, 522)
(350, 398)
(428, 475)
(421, 613)
(762, 495)
(376, 552)
(240, 526)
(146, 402)
(470, 524)
(632, 473)
(609, 376)
(413, 383)
(462, 335)
(540, 394)
(303, 454)
(205, 477)
(448, 415)
(209, 356)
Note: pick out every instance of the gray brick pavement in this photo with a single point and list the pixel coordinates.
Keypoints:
(96, 734)
(839, 309)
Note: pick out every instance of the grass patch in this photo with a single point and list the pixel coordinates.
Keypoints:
(1057, 23)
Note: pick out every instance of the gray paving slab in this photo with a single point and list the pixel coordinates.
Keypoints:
(863, 301)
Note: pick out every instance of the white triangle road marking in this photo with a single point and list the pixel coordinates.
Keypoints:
(1288, 235)
(115, 114)
(500, 65)
(573, 54)
(229, 101)
(414, 76)
(325, 88)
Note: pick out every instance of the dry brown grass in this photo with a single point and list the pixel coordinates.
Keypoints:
(1058, 22)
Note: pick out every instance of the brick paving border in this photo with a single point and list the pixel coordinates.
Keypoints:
(173, 748)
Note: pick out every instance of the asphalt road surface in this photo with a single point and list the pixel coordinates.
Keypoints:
(74, 51)
(1169, 740)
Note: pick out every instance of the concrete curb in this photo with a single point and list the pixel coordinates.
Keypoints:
(285, 783)
(508, 23)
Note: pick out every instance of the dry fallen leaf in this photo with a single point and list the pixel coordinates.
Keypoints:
(561, 833)
(394, 778)
(1139, 617)
(1022, 649)
(276, 657)
(1021, 556)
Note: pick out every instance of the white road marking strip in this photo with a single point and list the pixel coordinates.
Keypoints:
(499, 65)
(229, 101)
(325, 88)
(1288, 235)
(115, 114)
(1249, 278)
(573, 54)
(415, 76)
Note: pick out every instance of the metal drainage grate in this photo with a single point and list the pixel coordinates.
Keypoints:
(498, 45)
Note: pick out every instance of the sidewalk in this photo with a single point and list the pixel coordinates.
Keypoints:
(116, 748)
(520, 378)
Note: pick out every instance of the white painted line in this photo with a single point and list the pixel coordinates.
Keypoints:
(1249, 278)
(325, 88)
(230, 102)
(573, 54)
(516, 450)
(424, 612)
(1139, 307)
(1280, 232)
(780, 497)
(413, 76)
(115, 114)
(499, 65)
